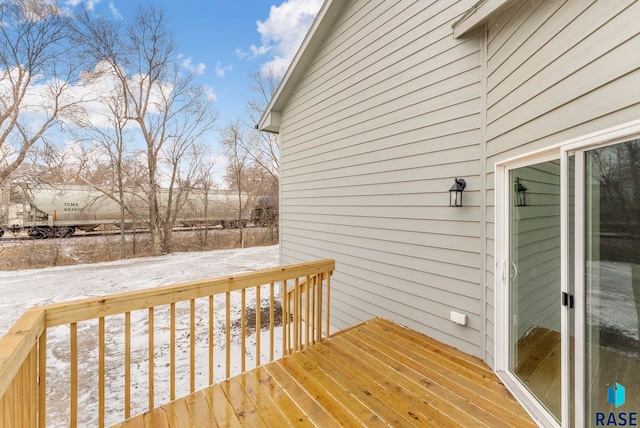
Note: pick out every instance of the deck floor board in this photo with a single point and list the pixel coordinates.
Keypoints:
(375, 374)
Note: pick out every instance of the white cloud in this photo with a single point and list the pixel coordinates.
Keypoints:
(221, 71)
(260, 50)
(90, 4)
(193, 68)
(115, 11)
(282, 32)
(209, 94)
(241, 54)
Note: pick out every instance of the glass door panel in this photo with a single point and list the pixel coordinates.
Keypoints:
(535, 281)
(612, 279)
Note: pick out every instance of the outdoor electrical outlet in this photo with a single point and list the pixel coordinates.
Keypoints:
(458, 318)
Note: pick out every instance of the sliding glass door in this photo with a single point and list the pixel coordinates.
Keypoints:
(571, 270)
(535, 268)
(612, 280)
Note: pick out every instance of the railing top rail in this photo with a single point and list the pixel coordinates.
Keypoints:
(17, 343)
(85, 309)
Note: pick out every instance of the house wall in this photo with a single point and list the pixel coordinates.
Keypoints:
(555, 70)
(386, 115)
(392, 108)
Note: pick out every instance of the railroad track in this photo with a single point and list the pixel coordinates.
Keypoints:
(23, 236)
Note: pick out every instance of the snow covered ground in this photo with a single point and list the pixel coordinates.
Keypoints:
(612, 305)
(22, 289)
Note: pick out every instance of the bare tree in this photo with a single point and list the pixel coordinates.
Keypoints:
(160, 99)
(72, 163)
(111, 134)
(36, 74)
(204, 182)
(237, 162)
(262, 147)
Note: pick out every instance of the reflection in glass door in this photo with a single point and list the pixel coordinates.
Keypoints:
(612, 279)
(535, 273)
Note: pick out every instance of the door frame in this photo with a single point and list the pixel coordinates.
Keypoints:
(502, 293)
(561, 151)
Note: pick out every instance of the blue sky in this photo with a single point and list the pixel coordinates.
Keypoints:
(227, 40)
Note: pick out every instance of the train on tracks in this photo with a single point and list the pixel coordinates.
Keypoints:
(59, 210)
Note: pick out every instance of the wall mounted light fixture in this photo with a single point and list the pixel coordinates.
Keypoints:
(519, 193)
(455, 192)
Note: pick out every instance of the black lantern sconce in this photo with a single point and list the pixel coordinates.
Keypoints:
(455, 192)
(519, 193)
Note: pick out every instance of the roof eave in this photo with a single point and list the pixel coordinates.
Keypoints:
(477, 15)
(327, 16)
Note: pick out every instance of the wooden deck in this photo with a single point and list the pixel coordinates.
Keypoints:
(375, 374)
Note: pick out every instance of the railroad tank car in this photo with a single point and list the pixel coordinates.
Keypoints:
(57, 210)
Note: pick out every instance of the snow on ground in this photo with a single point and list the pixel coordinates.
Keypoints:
(612, 303)
(22, 289)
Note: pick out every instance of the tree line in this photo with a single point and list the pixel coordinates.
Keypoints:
(88, 100)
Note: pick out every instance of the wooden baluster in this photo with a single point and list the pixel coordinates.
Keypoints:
(285, 317)
(299, 302)
(151, 359)
(101, 371)
(127, 365)
(243, 320)
(319, 308)
(258, 313)
(172, 351)
(211, 338)
(31, 390)
(328, 304)
(296, 314)
(312, 320)
(228, 336)
(73, 417)
(307, 312)
(271, 320)
(192, 346)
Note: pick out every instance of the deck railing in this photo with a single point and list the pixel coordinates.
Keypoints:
(303, 306)
(99, 364)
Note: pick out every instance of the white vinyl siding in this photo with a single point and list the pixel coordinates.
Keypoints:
(557, 70)
(385, 116)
